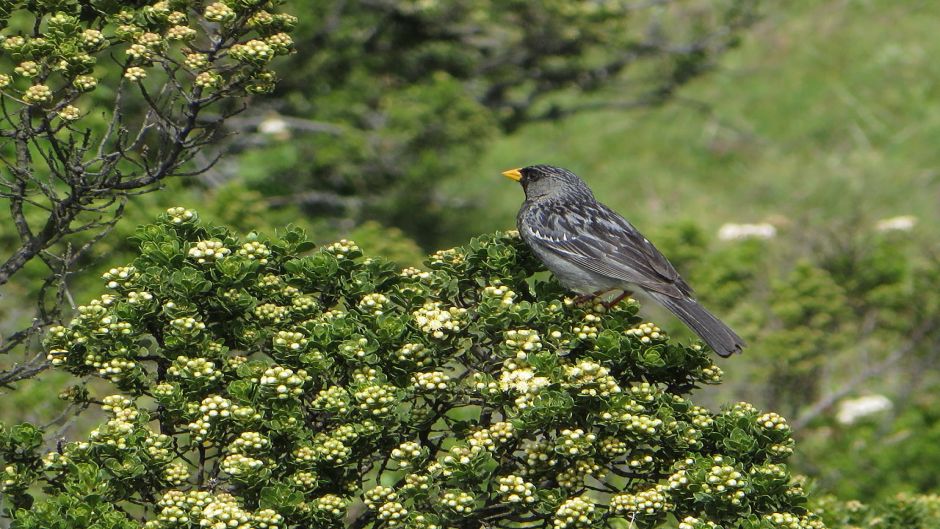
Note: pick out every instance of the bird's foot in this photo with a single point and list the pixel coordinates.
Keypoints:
(583, 299)
(625, 294)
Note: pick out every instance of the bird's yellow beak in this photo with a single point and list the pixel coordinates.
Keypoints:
(513, 174)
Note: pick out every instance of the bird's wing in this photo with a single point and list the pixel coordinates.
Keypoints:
(598, 239)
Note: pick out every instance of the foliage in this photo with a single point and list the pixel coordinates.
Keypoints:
(101, 100)
(873, 457)
(395, 97)
(904, 511)
(264, 386)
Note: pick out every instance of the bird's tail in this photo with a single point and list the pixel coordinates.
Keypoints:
(710, 329)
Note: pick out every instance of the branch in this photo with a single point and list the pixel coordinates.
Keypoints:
(827, 401)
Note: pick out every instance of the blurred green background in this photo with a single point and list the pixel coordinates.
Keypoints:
(816, 133)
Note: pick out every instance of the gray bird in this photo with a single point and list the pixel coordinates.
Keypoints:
(592, 250)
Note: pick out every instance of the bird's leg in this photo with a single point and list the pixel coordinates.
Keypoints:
(584, 298)
(618, 299)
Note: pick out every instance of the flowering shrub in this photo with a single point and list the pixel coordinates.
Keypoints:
(102, 99)
(264, 386)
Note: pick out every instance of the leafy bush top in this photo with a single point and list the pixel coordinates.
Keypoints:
(264, 386)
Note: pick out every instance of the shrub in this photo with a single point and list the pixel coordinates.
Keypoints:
(264, 385)
(104, 99)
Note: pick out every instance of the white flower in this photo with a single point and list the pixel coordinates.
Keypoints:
(851, 410)
(735, 232)
(901, 223)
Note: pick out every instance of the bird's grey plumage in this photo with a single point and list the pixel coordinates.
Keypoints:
(590, 248)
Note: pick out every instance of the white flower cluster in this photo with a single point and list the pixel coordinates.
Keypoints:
(373, 303)
(219, 12)
(415, 273)
(490, 438)
(680, 478)
(713, 374)
(459, 501)
(85, 82)
(334, 399)
(283, 381)
(772, 421)
(582, 470)
(194, 368)
(438, 322)
(514, 489)
(392, 513)
(187, 326)
(355, 349)
(786, 520)
(771, 470)
(70, 113)
(691, 522)
(575, 442)
(538, 454)
(139, 298)
(378, 399)
(304, 479)
(417, 483)
(782, 450)
(290, 340)
(255, 251)
(208, 252)
(269, 312)
(378, 495)
(501, 292)
(701, 417)
(646, 332)
(343, 248)
(330, 449)
(116, 431)
(645, 425)
(331, 505)
(523, 342)
(407, 453)
(122, 276)
(743, 409)
(179, 215)
(224, 512)
(180, 32)
(589, 328)
(431, 381)
(640, 459)
(212, 408)
(38, 93)
(303, 304)
(414, 353)
(520, 379)
(281, 42)
(648, 502)
(450, 256)
(176, 473)
(613, 447)
(159, 446)
(591, 379)
(577, 512)
(725, 480)
(255, 50)
(176, 507)
(249, 442)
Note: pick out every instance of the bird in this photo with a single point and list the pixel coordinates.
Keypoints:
(594, 251)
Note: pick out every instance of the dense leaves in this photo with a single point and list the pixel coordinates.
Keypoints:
(267, 385)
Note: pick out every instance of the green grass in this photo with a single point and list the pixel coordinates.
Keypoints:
(827, 111)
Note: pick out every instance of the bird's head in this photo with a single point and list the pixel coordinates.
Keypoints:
(547, 182)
